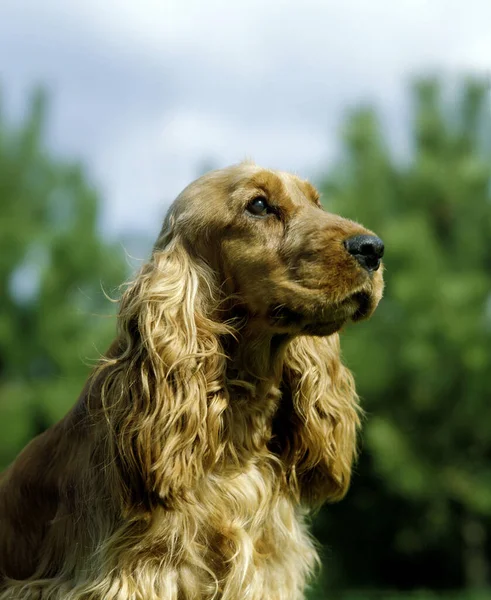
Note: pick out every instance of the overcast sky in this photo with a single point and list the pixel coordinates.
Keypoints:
(143, 92)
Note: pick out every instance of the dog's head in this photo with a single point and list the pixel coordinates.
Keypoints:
(293, 266)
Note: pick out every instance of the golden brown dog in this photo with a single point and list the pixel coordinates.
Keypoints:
(219, 417)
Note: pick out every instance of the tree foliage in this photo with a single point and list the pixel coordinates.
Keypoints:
(419, 511)
(54, 317)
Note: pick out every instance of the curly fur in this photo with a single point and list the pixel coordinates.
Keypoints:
(220, 416)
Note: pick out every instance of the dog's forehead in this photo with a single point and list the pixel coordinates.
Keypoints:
(281, 186)
(299, 189)
(241, 182)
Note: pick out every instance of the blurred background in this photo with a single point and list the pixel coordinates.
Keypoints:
(107, 110)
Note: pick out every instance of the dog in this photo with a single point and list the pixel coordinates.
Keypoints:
(218, 419)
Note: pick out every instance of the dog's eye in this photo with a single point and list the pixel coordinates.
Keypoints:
(259, 207)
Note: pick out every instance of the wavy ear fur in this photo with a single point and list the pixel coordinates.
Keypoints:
(164, 394)
(318, 420)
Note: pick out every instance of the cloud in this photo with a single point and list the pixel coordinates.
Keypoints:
(160, 157)
(146, 91)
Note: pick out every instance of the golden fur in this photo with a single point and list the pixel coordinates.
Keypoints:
(220, 416)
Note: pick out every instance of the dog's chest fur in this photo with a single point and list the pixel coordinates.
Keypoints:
(240, 538)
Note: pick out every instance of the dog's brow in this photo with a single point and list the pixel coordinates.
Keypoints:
(269, 183)
(309, 191)
(296, 190)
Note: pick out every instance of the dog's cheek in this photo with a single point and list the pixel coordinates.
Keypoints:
(253, 271)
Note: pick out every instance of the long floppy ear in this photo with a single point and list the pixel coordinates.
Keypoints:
(164, 393)
(318, 420)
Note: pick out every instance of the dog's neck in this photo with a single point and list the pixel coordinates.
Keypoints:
(254, 385)
(255, 366)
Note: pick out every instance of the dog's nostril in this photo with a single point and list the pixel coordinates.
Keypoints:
(366, 249)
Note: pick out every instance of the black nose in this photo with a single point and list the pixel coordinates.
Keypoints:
(367, 249)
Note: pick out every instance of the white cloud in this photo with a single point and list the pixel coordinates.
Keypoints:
(145, 91)
(157, 159)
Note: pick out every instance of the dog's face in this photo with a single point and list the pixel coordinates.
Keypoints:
(293, 266)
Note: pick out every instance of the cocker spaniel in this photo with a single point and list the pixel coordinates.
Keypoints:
(219, 417)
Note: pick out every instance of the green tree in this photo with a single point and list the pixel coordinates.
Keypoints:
(54, 264)
(419, 510)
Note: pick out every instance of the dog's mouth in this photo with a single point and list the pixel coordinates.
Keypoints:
(356, 307)
(364, 310)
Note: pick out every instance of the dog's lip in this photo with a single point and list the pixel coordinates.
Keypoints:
(323, 328)
(354, 307)
(364, 305)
